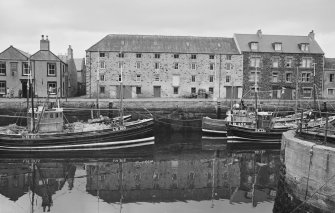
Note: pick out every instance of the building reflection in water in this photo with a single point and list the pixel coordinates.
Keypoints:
(39, 179)
(177, 172)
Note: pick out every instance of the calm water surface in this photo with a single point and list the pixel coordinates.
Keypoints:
(182, 172)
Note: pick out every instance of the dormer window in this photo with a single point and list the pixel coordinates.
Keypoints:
(304, 47)
(254, 46)
(277, 46)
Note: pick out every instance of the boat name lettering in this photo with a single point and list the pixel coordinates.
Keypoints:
(31, 136)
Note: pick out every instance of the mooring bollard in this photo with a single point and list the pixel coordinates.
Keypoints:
(110, 112)
(218, 110)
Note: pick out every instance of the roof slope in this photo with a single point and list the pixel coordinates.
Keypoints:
(329, 63)
(12, 53)
(172, 44)
(45, 55)
(289, 43)
(79, 62)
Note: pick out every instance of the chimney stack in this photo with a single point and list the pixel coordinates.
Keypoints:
(259, 33)
(44, 43)
(70, 52)
(311, 34)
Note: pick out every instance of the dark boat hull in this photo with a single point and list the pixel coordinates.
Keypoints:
(78, 140)
(214, 126)
(250, 135)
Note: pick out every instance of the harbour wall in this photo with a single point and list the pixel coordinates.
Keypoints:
(310, 171)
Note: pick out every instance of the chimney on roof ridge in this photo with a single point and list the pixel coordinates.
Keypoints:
(46, 38)
(44, 44)
(70, 52)
(311, 34)
(259, 33)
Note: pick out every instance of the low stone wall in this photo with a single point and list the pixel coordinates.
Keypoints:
(310, 171)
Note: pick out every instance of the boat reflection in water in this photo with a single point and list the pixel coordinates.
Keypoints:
(176, 177)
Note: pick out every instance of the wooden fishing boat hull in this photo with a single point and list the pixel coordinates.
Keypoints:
(214, 126)
(133, 130)
(249, 134)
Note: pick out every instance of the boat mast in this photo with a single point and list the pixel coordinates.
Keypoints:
(121, 91)
(256, 108)
(98, 76)
(314, 87)
(296, 94)
(32, 98)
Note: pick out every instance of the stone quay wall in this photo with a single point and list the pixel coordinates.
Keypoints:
(310, 171)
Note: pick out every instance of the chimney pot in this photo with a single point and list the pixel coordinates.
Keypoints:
(259, 33)
(311, 34)
(47, 38)
(42, 37)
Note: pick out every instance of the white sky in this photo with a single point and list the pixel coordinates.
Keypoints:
(82, 23)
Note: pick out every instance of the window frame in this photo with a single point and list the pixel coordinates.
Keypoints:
(211, 90)
(138, 78)
(157, 55)
(228, 78)
(307, 78)
(211, 66)
(275, 62)
(305, 64)
(290, 77)
(175, 90)
(288, 61)
(138, 90)
(3, 90)
(3, 69)
(156, 77)
(193, 56)
(253, 62)
(102, 65)
(138, 55)
(331, 77)
(176, 56)
(193, 66)
(331, 89)
(138, 65)
(102, 77)
(304, 89)
(273, 79)
(48, 69)
(102, 54)
(102, 89)
(193, 78)
(211, 56)
(48, 87)
(176, 65)
(211, 78)
(120, 55)
(25, 68)
(157, 65)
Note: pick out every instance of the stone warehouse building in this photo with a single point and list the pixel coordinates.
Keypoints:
(281, 63)
(329, 78)
(163, 66)
(46, 70)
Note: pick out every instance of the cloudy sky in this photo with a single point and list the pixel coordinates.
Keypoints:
(82, 23)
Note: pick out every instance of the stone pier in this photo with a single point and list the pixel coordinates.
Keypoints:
(310, 171)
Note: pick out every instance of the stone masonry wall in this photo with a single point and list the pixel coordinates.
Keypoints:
(265, 82)
(166, 72)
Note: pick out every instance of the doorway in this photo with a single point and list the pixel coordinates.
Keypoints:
(157, 91)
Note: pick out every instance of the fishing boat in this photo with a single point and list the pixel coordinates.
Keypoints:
(212, 126)
(47, 132)
(260, 131)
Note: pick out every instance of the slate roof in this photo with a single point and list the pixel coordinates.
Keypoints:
(79, 63)
(165, 44)
(45, 55)
(265, 43)
(329, 63)
(12, 53)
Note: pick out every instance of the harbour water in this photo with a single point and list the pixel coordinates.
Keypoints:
(183, 172)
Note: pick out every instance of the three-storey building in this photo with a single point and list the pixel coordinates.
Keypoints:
(279, 65)
(163, 66)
